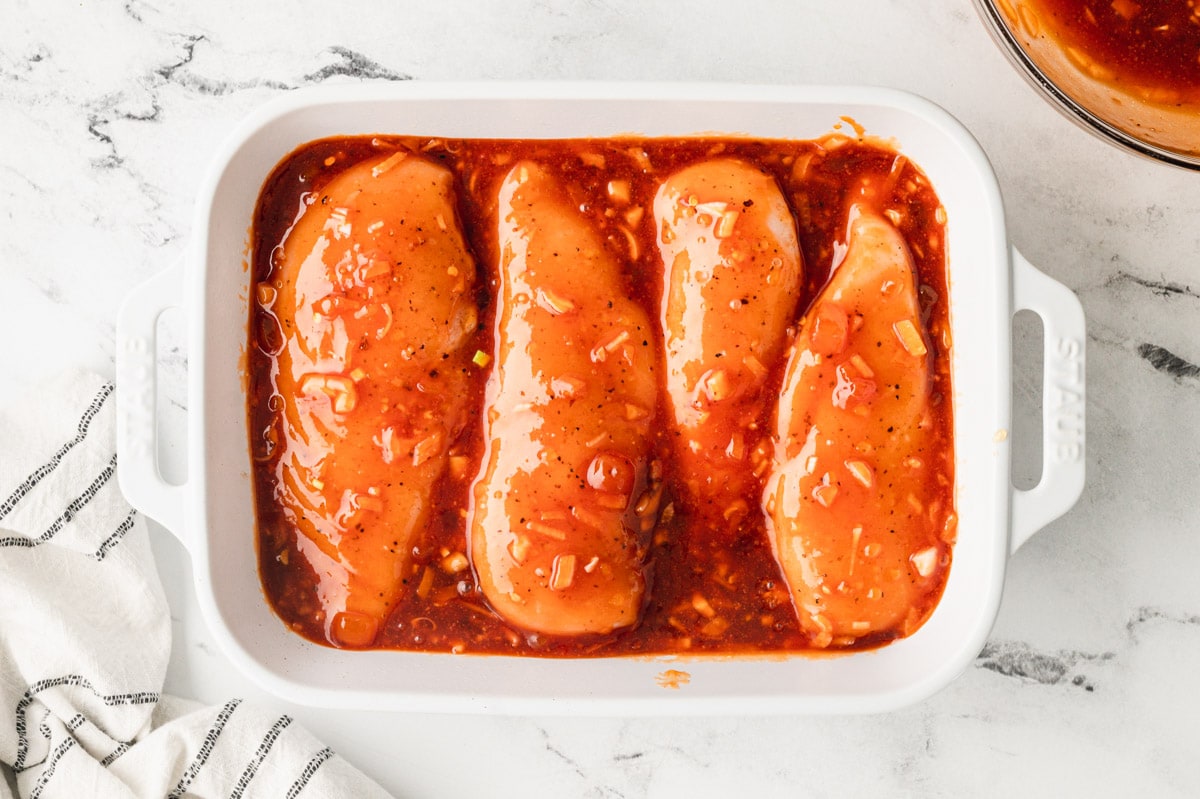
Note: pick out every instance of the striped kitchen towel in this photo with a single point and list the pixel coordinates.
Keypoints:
(85, 635)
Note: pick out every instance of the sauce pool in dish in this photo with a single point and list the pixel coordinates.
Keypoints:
(490, 438)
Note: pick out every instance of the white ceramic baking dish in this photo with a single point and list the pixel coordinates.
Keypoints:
(213, 512)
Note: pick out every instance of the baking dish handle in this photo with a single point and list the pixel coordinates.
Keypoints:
(137, 416)
(1063, 400)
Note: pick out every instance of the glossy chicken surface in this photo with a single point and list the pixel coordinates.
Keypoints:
(854, 498)
(732, 273)
(567, 492)
(374, 294)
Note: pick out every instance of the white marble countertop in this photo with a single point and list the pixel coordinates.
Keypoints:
(110, 112)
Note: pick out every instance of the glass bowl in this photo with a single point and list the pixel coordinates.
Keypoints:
(1152, 123)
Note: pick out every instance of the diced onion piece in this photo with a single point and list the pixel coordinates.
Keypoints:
(717, 385)
(855, 535)
(736, 448)
(861, 472)
(601, 352)
(631, 242)
(338, 388)
(824, 635)
(925, 561)
(736, 510)
(635, 412)
(617, 341)
(426, 583)
(633, 217)
(611, 501)
(548, 531)
(702, 606)
(519, 549)
(1126, 9)
(481, 359)
(587, 517)
(592, 564)
(377, 268)
(427, 448)
(553, 302)
(563, 573)
(715, 208)
(910, 337)
(755, 366)
(825, 493)
(592, 159)
(265, 293)
(387, 324)
(454, 563)
(389, 163)
(369, 503)
(829, 329)
(726, 224)
(858, 363)
(566, 386)
(312, 385)
(893, 215)
(619, 190)
(648, 502)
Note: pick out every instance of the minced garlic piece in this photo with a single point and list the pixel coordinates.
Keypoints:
(910, 338)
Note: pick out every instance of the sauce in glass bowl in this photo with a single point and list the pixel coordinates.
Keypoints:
(1128, 71)
(1150, 48)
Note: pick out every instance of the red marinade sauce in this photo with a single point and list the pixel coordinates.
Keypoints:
(1147, 45)
(821, 179)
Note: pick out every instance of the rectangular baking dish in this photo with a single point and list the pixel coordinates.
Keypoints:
(213, 515)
